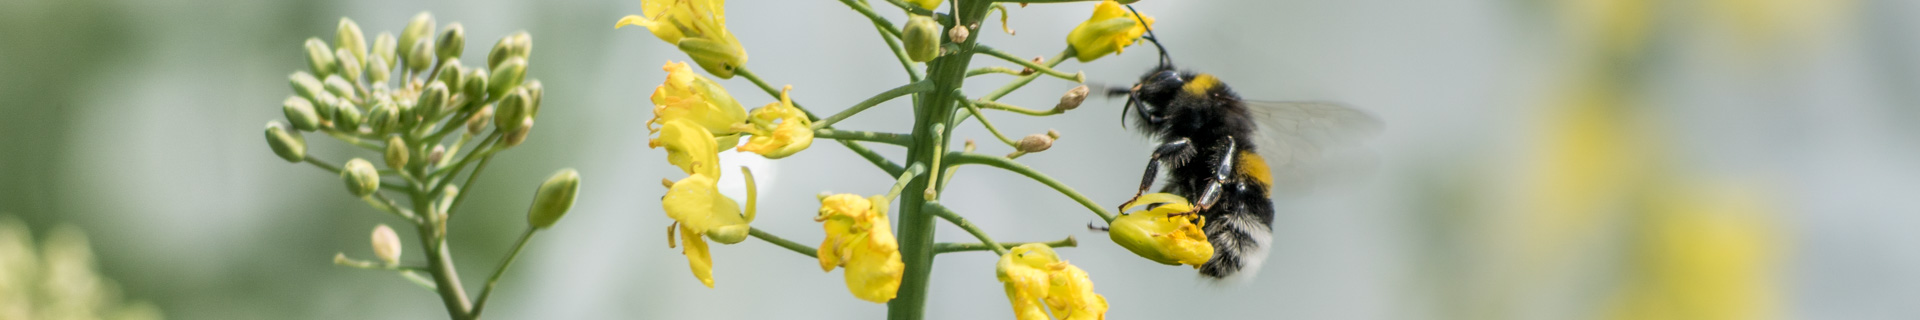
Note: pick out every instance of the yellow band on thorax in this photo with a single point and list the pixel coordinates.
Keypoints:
(1201, 84)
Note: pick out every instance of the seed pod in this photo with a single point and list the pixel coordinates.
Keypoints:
(554, 198)
(341, 88)
(289, 146)
(386, 244)
(361, 178)
(349, 38)
(350, 66)
(306, 85)
(432, 101)
(418, 30)
(452, 41)
(320, 57)
(386, 48)
(512, 108)
(396, 152)
(1072, 99)
(922, 37)
(300, 113)
(378, 71)
(420, 57)
(507, 76)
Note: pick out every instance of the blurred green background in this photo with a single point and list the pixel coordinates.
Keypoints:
(1579, 159)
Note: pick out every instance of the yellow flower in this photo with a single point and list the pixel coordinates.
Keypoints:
(779, 129)
(1035, 276)
(1154, 235)
(687, 95)
(926, 4)
(698, 27)
(860, 239)
(689, 147)
(696, 206)
(1110, 30)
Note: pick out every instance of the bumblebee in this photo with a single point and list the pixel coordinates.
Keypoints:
(1212, 144)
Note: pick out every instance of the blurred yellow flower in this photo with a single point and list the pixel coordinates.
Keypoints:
(688, 147)
(687, 95)
(860, 239)
(1705, 252)
(779, 129)
(698, 27)
(1110, 30)
(926, 4)
(697, 207)
(1034, 275)
(1154, 235)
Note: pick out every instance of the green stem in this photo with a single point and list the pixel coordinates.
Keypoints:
(440, 265)
(963, 158)
(871, 156)
(932, 113)
(466, 188)
(900, 53)
(900, 183)
(783, 243)
(484, 149)
(878, 20)
(1015, 109)
(898, 139)
(1023, 80)
(480, 304)
(323, 164)
(993, 70)
(958, 221)
(353, 139)
(984, 123)
(946, 247)
(911, 88)
(1047, 70)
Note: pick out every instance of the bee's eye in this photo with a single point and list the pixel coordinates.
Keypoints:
(1168, 75)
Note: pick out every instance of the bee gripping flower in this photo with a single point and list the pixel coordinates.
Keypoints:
(1160, 234)
(860, 239)
(697, 27)
(779, 129)
(1036, 277)
(1109, 31)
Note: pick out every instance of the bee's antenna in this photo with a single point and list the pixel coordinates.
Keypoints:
(1165, 61)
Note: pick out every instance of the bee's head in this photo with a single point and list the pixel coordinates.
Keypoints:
(1155, 89)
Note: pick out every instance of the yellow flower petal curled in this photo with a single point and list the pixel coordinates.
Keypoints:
(697, 27)
(1111, 29)
(689, 147)
(698, 258)
(860, 239)
(779, 129)
(696, 206)
(1035, 277)
(1154, 235)
(687, 95)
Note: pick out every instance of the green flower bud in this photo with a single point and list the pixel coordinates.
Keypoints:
(346, 117)
(519, 134)
(342, 88)
(289, 146)
(361, 178)
(350, 66)
(475, 87)
(325, 105)
(306, 85)
(418, 30)
(420, 57)
(351, 39)
(396, 152)
(515, 106)
(507, 76)
(1072, 99)
(384, 118)
(320, 57)
(451, 73)
(517, 45)
(922, 37)
(554, 198)
(300, 113)
(385, 47)
(534, 91)
(452, 41)
(386, 244)
(479, 121)
(378, 71)
(433, 100)
(437, 156)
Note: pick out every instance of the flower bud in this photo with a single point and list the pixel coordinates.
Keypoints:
(361, 178)
(378, 71)
(350, 66)
(320, 57)
(922, 37)
(474, 87)
(385, 47)
(1038, 142)
(324, 104)
(515, 137)
(433, 100)
(479, 121)
(534, 91)
(396, 152)
(512, 108)
(384, 118)
(958, 33)
(420, 57)
(306, 85)
(438, 153)
(452, 41)
(289, 146)
(300, 113)
(418, 30)
(386, 244)
(451, 73)
(349, 38)
(553, 198)
(342, 88)
(346, 117)
(1072, 99)
(507, 75)
(517, 45)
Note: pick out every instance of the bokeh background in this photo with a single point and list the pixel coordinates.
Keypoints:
(1578, 159)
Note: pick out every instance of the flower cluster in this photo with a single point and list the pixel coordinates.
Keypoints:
(1036, 277)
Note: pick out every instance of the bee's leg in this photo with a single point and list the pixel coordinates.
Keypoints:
(1221, 172)
(1177, 150)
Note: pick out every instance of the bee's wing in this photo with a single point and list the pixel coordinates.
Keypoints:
(1301, 140)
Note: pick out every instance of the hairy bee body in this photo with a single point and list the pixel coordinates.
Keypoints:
(1207, 136)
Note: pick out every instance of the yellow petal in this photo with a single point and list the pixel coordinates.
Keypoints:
(699, 206)
(689, 147)
(697, 256)
(687, 95)
(1108, 31)
(1155, 235)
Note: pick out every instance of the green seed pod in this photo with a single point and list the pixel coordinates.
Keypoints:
(300, 113)
(350, 66)
(361, 178)
(479, 121)
(507, 76)
(342, 88)
(451, 73)
(290, 146)
(346, 117)
(385, 47)
(419, 29)
(420, 57)
(378, 71)
(306, 85)
(475, 87)
(534, 91)
(452, 41)
(386, 244)
(554, 198)
(349, 38)
(511, 109)
(396, 152)
(518, 135)
(922, 37)
(320, 57)
(384, 118)
(433, 100)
